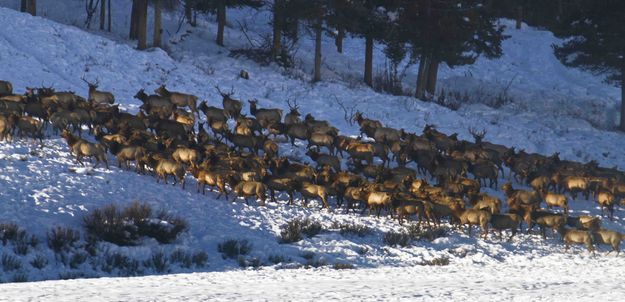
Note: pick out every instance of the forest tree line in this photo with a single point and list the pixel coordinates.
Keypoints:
(427, 32)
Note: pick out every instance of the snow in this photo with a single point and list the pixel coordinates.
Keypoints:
(43, 186)
(543, 280)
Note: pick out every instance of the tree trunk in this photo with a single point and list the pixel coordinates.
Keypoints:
(188, 13)
(109, 16)
(102, 14)
(133, 20)
(277, 27)
(432, 76)
(622, 124)
(339, 39)
(29, 6)
(157, 23)
(519, 17)
(422, 77)
(221, 23)
(142, 24)
(369, 60)
(318, 32)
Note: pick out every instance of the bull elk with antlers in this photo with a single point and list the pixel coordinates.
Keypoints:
(96, 97)
(178, 98)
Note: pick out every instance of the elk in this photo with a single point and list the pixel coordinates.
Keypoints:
(178, 98)
(293, 116)
(279, 183)
(325, 160)
(299, 131)
(584, 222)
(29, 125)
(486, 202)
(232, 107)
(472, 217)
(367, 126)
(265, 117)
(477, 135)
(322, 140)
(548, 220)
(502, 222)
(556, 200)
(6, 128)
(248, 189)
(310, 190)
(483, 170)
(611, 238)
(252, 143)
(6, 88)
(217, 179)
(270, 148)
(82, 148)
(606, 200)
(212, 113)
(378, 200)
(164, 167)
(129, 153)
(96, 97)
(524, 197)
(154, 100)
(386, 135)
(186, 155)
(576, 236)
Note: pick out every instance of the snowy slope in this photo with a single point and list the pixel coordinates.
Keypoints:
(39, 189)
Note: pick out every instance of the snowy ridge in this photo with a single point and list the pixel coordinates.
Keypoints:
(39, 189)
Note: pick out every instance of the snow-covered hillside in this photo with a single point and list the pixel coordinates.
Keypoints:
(42, 187)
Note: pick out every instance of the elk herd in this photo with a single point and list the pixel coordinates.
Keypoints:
(169, 138)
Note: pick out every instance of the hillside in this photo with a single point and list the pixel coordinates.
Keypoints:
(43, 186)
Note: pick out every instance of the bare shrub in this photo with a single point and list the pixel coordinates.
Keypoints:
(232, 248)
(39, 262)
(200, 259)
(158, 262)
(126, 227)
(439, 261)
(10, 263)
(62, 239)
(338, 266)
(294, 230)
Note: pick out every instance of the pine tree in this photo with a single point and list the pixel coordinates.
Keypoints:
(368, 19)
(454, 32)
(597, 43)
(314, 13)
(219, 7)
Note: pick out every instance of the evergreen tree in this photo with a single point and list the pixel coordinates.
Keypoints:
(597, 42)
(367, 19)
(314, 13)
(219, 7)
(454, 32)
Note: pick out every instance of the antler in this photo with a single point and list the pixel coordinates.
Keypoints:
(476, 133)
(293, 106)
(97, 82)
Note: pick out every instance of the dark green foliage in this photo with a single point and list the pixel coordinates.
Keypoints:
(597, 42)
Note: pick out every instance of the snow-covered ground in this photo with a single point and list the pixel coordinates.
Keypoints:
(42, 187)
(545, 279)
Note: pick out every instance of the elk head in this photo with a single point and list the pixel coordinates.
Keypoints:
(477, 135)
